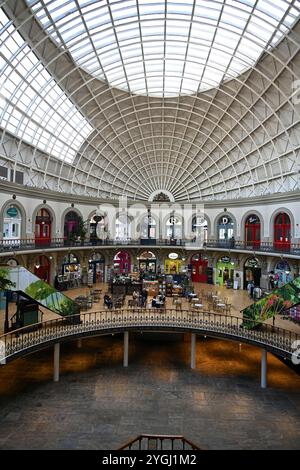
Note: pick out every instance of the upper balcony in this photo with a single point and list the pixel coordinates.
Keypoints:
(268, 248)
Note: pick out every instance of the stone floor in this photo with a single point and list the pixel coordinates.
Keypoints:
(98, 404)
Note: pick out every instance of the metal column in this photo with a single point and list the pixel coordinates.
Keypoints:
(56, 362)
(125, 350)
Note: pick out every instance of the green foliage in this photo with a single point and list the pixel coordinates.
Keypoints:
(276, 303)
(39, 290)
(5, 282)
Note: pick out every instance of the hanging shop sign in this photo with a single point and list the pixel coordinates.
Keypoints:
(225, 259)
(173, 256)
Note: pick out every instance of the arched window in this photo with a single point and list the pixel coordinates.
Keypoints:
(252, 231)
(148, 227)
(98, 227)
(225, 228)
(174, 227)
(123, 227)
(199, 228)
(71, 225)
(282, 232)
(43, 222)
(12, 223)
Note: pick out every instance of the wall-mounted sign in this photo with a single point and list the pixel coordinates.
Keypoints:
(12, 212)
(173, 255)
(252, 262)
(253, 219)
(225, 220)
(225, 259)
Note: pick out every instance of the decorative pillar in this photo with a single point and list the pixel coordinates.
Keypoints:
(56, 362)
(125, 350)
(264, 368)
(193, 350)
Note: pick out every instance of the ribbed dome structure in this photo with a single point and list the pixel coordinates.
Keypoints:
(106, 98)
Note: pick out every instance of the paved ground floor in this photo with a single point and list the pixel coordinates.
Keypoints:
(98, 404)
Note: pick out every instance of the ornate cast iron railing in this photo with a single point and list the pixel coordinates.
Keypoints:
(38, 336)
(7, 245)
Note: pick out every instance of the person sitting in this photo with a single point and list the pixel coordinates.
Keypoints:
(161, 297)
(154, 302)
(107, 301)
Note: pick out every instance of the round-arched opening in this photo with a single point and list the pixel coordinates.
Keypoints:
(283, 273)
(225, 271)
(122, 263)
(252, 231)
(12, 223)
(123, 227)
(225, 230)
(252, 272)
(72, 226)
(282, 232)
(199, 229)
(42, 268)
(97, 267)
(43, 227)
(147, 262)
(199, 265)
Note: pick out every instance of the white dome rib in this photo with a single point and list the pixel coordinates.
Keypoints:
(238, 139)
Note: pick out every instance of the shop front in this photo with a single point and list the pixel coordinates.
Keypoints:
(42, 268)
(71, 265)
(283, 273)
(12, 224)
(122, 263)
(147, 262)
(173, 264)
(43, 223)
(225, 271)
(252, 272)
(97, 266)
(199, 264)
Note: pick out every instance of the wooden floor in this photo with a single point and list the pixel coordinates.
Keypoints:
(238, 299)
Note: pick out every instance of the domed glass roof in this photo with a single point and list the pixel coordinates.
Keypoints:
(165, 48)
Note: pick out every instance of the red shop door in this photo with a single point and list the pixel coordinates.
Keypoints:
(43, 233)
(199, 270)
(282, 232)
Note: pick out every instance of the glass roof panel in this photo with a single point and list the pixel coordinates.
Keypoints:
(176, 27)
(32, 105)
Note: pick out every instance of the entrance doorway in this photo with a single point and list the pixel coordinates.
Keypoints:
(199, 264)
(42, 268)
(252, 272)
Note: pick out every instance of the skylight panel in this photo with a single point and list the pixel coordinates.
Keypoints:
(39, 98)
(163, 23)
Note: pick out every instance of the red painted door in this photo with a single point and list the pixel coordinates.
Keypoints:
(199, 266)
(282, 232)
(43, 271)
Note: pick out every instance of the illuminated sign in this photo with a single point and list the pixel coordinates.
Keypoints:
(173, 255)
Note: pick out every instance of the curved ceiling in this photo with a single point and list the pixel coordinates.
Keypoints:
(164, 48)
(68, 130)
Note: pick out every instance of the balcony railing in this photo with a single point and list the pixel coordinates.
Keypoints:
(34, 337)
(9, 245)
